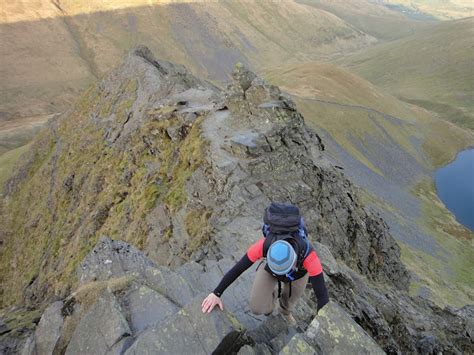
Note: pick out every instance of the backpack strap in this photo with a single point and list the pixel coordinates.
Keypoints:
(269, 239)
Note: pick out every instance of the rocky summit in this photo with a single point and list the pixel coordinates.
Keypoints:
(149, 190)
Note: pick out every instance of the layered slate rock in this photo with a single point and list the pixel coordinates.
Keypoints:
(173, 165)
(335, 332)
(148, 307)
(49, 329)
(191, 332)
(101, 328)
(298, 345)
(261, 151)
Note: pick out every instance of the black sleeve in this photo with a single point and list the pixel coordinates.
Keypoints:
(232, 274)
(320, 290)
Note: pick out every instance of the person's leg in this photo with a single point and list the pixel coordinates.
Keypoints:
(297, 289)
(262, 296)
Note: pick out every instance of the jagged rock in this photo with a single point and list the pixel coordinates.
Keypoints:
(109, 259)
(330, 265)
(147, 307)
(256, 148)
(272, 327)
(334, 332)
(102, 327)
(298, 345)
(191, 332)
(49, 329)
(243, 76)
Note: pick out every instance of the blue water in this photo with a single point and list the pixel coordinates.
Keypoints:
(455, 186)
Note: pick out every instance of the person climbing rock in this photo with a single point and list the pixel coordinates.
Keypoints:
(290, 260)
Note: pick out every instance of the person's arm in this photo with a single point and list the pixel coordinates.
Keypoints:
(254, 253)
(232, 275)
(320, 290)
(315, 271)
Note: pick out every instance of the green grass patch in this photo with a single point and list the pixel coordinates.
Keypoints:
(8, 161)
(448, 274)
(419, 67)
(198, 227)
(20, 320)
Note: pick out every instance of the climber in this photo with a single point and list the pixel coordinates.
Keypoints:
(290, 259)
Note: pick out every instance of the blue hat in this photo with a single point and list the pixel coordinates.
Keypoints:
(281, 257)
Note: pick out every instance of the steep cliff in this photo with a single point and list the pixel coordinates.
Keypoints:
(167, 162)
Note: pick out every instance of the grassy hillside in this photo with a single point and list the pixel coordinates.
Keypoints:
(372, 17)
(56, 48)
(401, 144)
(432, 69)
(8, 162)
(93, 188)
(442, 9)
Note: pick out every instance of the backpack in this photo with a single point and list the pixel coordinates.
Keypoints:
(284, 222)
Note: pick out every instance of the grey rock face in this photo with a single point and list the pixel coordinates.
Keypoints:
(334, 332)
(102, 327)
(109, 259)
(262, 151)
(169, 283)
(148, 307)
(298, 345)
(246, 350)
(49, 329)
(190, 332)
(258, 149)
(29, 348)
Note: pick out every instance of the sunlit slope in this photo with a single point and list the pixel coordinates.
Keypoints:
(371, 17)
(432, 69)
(346, 106)
(390, 148)
(57, 48)
(443, 9)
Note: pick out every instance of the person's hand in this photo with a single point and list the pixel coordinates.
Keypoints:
(210, 302)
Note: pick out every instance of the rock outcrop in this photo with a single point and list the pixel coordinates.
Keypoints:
(106, 316)
(171, 165)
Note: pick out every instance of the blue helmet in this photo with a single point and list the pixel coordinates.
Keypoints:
(281, 257)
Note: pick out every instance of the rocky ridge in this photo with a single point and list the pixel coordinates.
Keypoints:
(214, 160)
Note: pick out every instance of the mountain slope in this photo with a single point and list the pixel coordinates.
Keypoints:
(432, 69)
(183, 171)
(57, 48)
(125, 162)
(372, 17)
(390, 149)
(447, 9)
